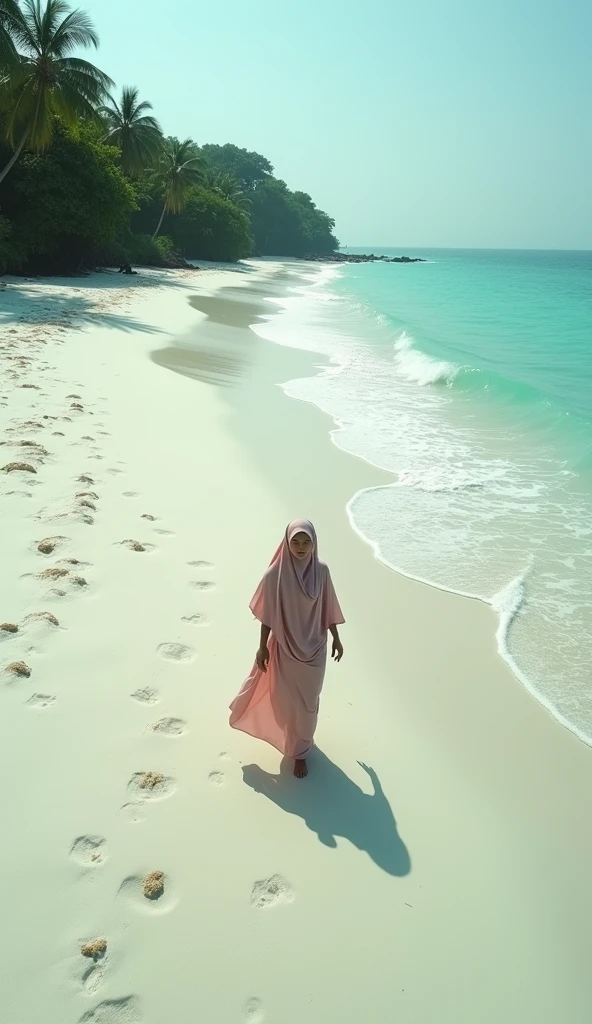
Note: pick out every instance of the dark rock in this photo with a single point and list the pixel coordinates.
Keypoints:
(355, 257)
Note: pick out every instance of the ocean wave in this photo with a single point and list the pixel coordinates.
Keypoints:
(416, 366)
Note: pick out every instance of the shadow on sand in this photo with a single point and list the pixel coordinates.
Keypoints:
(332, 805)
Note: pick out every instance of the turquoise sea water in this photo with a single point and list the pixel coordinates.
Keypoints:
(469, 377)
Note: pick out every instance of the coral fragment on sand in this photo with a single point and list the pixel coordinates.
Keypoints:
(94, 949)
(153, 885)
(148, 780)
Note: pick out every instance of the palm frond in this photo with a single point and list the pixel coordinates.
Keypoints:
(75, 30)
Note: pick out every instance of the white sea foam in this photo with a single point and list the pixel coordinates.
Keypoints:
(420, 368)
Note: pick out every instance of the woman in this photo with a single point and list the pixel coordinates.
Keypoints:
(296, 606)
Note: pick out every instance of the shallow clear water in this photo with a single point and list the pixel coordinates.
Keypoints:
(469, 377)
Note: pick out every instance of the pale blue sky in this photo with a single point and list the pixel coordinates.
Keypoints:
(412, 122)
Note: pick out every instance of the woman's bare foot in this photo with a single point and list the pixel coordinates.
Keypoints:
(300, 768)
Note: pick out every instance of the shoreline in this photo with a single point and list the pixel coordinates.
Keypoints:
(515, 599)
(446, 893)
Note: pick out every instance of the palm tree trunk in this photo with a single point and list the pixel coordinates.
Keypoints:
(14, 156)
(159, 225)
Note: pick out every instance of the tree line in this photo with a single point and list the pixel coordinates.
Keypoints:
(88, 178)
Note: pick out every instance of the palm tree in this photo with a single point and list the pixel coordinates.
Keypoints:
(138, 135)
(228, 187)
(9, 13)
(181, 166)
(46, 81)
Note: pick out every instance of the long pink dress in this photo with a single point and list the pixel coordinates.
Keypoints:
(297, 601)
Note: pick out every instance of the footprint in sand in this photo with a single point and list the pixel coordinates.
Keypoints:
(90, 851)
(152, 893)
(129, 494)
(200, 565)
(270, 891)
(197, 619)
(169, 727)
(145, 786)
(133, 812)
(164, 533)
(202, 585)
(217, 778)
(40, 700)
(253, 1011)
(49, 544)
(146, 695)
(126, 1010)
(175, 652)
(95, 952)
(93, 978)
(135, 545)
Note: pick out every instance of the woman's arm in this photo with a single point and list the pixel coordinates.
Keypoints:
(262, 656)
(337, 649)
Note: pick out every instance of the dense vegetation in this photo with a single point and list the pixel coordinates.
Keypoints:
(88, 178)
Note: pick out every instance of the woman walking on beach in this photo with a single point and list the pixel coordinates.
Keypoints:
(296, 606)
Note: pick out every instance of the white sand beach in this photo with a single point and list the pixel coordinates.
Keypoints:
(434, 866)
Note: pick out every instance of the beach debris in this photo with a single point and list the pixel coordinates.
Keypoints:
(153, 885)
(19, 668)
(133, 545)
(94, 949)
(148, 780)
(9, 627)
(24, 467)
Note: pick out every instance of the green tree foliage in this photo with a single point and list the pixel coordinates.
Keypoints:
(227, 186)
(67, 201)
(45, 81)
(247, 168)
(181, 165)
(9, 14)
(97, 181)
(136, 134)
(288, 223)
(284, 223)
(211, 228)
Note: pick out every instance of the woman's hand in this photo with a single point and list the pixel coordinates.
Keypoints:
(262, 658)
(337, 650)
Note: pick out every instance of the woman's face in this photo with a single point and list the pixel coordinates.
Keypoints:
(301, 546)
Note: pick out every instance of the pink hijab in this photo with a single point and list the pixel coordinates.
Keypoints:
(296, 598)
